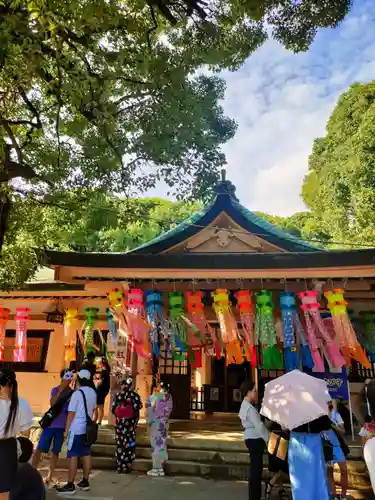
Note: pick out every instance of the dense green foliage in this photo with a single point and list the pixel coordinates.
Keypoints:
(111, 97)
(102, 224)
(340, 186)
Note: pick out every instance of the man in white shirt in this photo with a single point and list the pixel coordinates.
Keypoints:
(75, 432)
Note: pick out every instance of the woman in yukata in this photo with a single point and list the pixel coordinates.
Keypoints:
(159, 408)
(126, 407)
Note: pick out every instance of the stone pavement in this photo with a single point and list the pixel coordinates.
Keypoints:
(110, 486)
(107, 485)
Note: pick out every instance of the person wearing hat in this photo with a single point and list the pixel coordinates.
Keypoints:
(126, 407)
(53, 434)
(82, 404)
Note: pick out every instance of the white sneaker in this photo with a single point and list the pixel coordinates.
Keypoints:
(161, 472)
(153, 473)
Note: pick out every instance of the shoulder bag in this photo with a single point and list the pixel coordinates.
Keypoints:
(91, 427)
(55, 409)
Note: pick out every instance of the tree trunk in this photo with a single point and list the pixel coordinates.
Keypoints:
(4, 216)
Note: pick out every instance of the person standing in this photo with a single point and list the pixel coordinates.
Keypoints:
(102, 391)
(89, 364)
(126, 407)
(276, 466)
(307, 467)
(338, 454)
(54, 433)
(82, 404)
(256, 437)
(159, 408)
(15, 417)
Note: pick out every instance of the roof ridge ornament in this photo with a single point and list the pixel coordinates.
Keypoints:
(225, 187)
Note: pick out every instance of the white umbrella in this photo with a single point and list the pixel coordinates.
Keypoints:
(295, 399)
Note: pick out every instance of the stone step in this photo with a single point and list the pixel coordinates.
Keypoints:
(226, 443)
(210, 456)
(358, 478)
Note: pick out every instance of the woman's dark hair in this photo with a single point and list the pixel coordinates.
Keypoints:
(27, 449)
(246, 386)
(8, 379)
(167, 387)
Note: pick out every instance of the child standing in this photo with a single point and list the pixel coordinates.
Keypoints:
(367, 434)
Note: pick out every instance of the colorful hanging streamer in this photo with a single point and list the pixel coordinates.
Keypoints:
(179, 345)
(367, 325)
(245, 307)
(347, 338)
(138, 326)
(317, 333)
(116, 297)
(70, 334)
(112, 328)
(198, 332)
(265, 331)
(91, 316)
(20, 348)
(156, 317)
(293, 329)
(4, 318)
(223, 310)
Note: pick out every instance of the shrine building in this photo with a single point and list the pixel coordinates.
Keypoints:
(224, 245)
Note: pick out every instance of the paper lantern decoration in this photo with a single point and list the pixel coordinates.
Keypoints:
(344, 330)
(318, 334)
(265, 331)
(91, 316)
(247, 317)
(20, 348)
(179, 345)
(223, 310)
(70, 334)
(4, 318)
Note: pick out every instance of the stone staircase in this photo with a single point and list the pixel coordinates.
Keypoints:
(208, 453)
(209, 449)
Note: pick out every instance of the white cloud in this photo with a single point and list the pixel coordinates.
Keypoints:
(282, 101)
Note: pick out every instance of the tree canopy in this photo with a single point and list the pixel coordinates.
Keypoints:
(340, 185)
(102, 96)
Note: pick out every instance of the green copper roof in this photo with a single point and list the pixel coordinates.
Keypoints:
(225, 201)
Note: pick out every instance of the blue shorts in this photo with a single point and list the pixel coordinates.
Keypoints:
(79, 447)
(48, 435)
(338, 454)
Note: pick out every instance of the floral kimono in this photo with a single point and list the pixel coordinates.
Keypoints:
(126, 429)
(159, 408)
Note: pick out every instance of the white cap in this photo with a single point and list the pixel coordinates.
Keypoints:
(84, 374)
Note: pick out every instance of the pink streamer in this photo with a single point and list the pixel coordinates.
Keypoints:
(20, 348)
(316, 330)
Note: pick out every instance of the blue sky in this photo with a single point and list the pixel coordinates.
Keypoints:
(282, 101)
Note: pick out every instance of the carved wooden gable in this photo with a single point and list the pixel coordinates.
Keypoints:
(224, 235)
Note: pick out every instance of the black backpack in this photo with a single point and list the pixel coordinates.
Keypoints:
(91, 427)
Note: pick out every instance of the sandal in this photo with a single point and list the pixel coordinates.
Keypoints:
(268, 489)
(283, 495)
